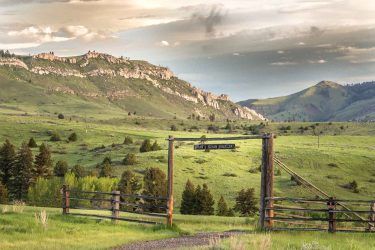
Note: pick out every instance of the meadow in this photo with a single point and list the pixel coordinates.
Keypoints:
(343, 152)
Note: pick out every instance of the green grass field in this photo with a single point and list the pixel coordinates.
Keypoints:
(346, 152)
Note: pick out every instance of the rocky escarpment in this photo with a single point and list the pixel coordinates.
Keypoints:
(98, 65)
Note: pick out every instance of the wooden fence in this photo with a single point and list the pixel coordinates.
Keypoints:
(116, 203)
(330, 215)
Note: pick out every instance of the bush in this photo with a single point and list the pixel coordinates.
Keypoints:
(155, 146)
(32, 143)
(173, 128)
(61, 168)
(107, 160)
(155, 185)
(106, 170)
(130, 159)
(188, 198)
(55, 137)
(204, 202)
(222, 207)
(128, 140)
(73, 137)
(78, 171)
(146, 146)
(61, 116)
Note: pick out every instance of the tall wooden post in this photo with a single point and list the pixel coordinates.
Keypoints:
(115, 205)
(65, 199)
(170, 180)
(266, 186)
(331, 215)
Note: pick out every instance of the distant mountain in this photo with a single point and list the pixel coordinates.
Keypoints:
(325, 101)
(103, 85)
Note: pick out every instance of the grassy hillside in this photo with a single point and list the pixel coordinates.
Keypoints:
(349, 146)
(326, 101)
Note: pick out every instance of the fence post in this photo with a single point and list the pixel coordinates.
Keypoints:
(170, 180)
(371, 226)
(115, 205)
(65, 199)
(331, 215)
(266, 188)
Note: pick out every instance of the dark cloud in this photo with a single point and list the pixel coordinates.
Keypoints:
(316, 31)
(210, 20)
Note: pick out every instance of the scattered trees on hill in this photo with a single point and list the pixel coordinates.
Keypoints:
(73, 137)
(106, 170)
(197, 200)
(78, 171)
(246, 202)
(147, 147)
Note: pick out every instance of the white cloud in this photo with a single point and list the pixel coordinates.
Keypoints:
(164, 43)
(18, 45)
(236, 54)
(280, 52)
(287, 63)
(320, 61)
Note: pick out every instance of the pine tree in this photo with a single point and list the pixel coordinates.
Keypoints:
(3, 194)
(155, 185)
(129, 184)
(222, 207)
(43, 163)
(73, 137)
(128, 140)
(146, 146)
(197, 208)
(188, 198)
(7, 157)
(32, 143)
(106, 170)
(78, 171)
(61, 168)
(21, 173)
(207, 201)
(130, 159)
(245, 202)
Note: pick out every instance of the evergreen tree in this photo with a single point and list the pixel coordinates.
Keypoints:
(128, 140)
(245, 202)
(155, 146)
(21, 173)
(207, 201)
(73, 137)
(61, 168)
(43, 163)
(106, 170)
(197, 208)
(146, 146)
(3, 194)
(155, 185)
(188, 199)
(107, 160)
(78, 171)
(129, 184)
(222, 207)
(7, 156)
(32, 143)
(130, 159)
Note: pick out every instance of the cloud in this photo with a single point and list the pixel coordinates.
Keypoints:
(164, 43)
(287, 63)
(315, 31)
(320, 61)
(210, 20)
(356, 55)
(16, 2)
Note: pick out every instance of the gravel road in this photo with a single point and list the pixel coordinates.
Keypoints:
(200, 239)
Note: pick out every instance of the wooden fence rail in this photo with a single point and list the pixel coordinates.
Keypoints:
(291, 215)
(113, 201)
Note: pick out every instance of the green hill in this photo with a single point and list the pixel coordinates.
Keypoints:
(106, 86)
(326, 101)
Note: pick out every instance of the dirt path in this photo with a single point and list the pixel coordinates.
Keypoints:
(201, 239)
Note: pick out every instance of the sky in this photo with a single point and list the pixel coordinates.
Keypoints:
(248, 49)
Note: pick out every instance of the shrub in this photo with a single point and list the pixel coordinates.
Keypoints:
(222, 207)
(246, 202)
(73, 137)
(155, 185)
(130, 159)
(173, 128)
(55, 137)
(43, 162)
(78, 171)
(129, 184)
(61, 116)
(61, 168)
(146, 146)
(352, 186)
(204, 201)
(32, 143)
(107, 160)
(227, 174)
(155, 146)
(106, 170)
(128, 140)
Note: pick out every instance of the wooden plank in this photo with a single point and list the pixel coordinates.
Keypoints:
(110, 217)
(221, 138)
(269, 168)
(170, 180)
(145, 197)
(115, 205)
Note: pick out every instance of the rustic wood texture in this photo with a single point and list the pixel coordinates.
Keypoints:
(66, 199)
(115, 206)
(170, 180)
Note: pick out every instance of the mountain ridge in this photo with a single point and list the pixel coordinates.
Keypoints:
(126, 84)
(324, 101)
